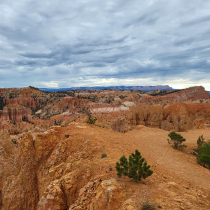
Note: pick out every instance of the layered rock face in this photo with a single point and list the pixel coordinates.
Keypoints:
(66, 106)
(18, 184)
(16, 105)
(197, 92)
(49, 171)
(26, 92)
(28, 102)
(177, 117)
(26, 96)
(15, 113)
(4, 91)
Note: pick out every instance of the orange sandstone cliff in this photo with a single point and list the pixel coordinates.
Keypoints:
(192, 93)
(177, 117)
(15, 113)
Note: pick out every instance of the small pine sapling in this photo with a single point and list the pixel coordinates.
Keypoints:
(176, 139)
(136, 168)
(204, 155)
(204, 159)
(200, 142)
(91, 120)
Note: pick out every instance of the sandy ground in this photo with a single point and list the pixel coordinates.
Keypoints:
(178, 180)
(153, 144)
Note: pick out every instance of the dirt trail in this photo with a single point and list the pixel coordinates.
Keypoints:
(153, 145)
(178, 181)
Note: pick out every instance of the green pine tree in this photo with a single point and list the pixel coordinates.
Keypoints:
(176, 139)
(204, 155)
(136, 168)
(91, 120)
(200, 142)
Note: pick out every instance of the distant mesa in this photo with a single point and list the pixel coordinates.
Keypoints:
(142, 88)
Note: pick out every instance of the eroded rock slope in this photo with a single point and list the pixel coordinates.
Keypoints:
(63, 169)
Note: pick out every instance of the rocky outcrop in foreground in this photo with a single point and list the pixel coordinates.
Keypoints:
(177, 117)
(41, 171)
(62, 169)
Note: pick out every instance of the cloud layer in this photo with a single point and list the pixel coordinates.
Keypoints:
(53, 43)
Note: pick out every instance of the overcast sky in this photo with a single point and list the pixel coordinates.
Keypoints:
(60, 43)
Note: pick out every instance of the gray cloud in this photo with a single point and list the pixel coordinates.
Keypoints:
(196, 21)
(46, 43)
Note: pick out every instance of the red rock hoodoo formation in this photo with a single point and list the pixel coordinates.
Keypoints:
(14, 113)
(28, 102)
(26, 96)
(177, 117)
(26, 92)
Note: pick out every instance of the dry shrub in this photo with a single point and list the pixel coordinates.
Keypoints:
(147, 205)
